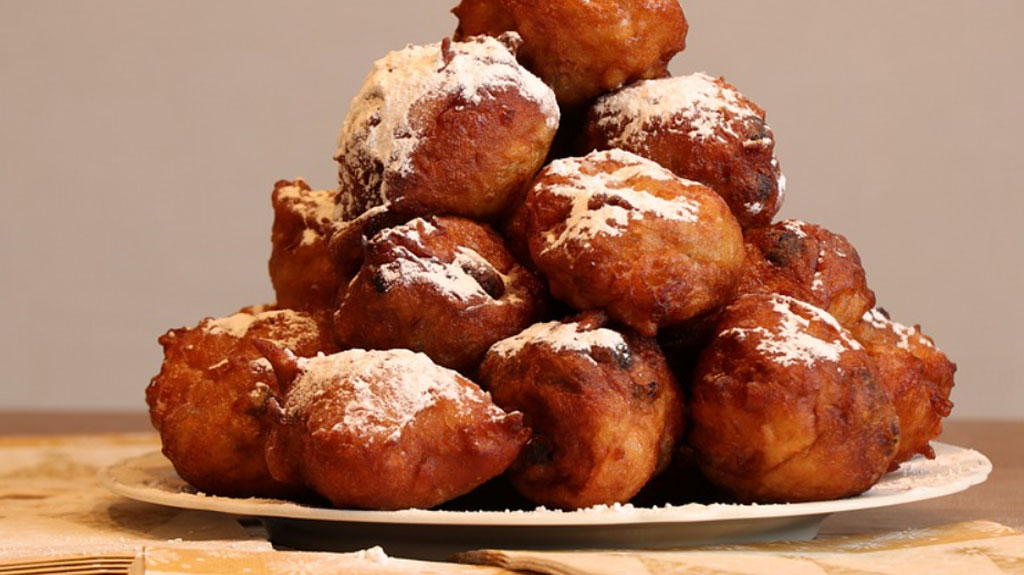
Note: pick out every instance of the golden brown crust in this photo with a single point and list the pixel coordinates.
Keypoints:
(389, 430)
(583, 49)
(453, 128)
(207, 400)
(604, 409)
(811, 264)
(786, 406)
(701, 129)
(445, 286)
(617, 232)
(300, 270)
(917, 376)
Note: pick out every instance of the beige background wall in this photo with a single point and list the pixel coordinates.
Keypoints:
(139, 141)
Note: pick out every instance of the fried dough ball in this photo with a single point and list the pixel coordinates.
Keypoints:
(451, 128)
(617, 232)
(787, 406)
(300, 270)
(444, 286)
(206, 401)
(917, 375)
(386, 429)
(811, 264)
(701, 129)
(345, 248)
(583, 49)
(603, 405)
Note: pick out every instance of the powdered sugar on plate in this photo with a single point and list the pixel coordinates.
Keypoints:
(151, 478)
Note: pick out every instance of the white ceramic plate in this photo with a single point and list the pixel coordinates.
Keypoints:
(433, 534)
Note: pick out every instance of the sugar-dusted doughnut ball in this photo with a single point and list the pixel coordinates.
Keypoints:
(787, 406)
(449, 128)
(811, 264)
(207, 400)
(584, 49)
(603, 406)
(701, 128)
(445, 286)
(917, 375)
(615, 231)
(386, 429)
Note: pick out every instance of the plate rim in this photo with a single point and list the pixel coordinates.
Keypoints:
(540, 517)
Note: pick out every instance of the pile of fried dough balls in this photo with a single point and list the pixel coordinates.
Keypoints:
(550, 274)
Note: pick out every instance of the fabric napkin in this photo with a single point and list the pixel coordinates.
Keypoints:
(973, 548)
(52, 504)
(178, 561)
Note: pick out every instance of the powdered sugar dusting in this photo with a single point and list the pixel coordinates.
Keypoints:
(920, 473)
(452, 279)
(902, 332)
(380, 134)
(818, 282)
(448, 278)
(315, 207)
(374, 554)
(413, 230)
(234, 325)
(705, 107)
(780, 184)
(291, 328)
(796, 227)
(791, 342)
(376, 394)
(604, 202)
(561, 337)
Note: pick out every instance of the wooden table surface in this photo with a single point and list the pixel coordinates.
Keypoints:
(1001, 498)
